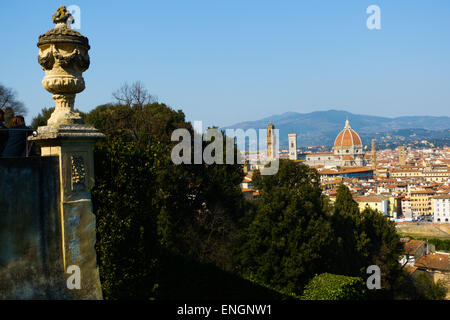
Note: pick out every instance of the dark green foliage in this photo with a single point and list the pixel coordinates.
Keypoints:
(124, 202)
(151, 211)
(328, 286)
(427, 289)
(44, 115)
(287, 240)
(184, 278)
(141, 122)
(363, 239)
(418, 286)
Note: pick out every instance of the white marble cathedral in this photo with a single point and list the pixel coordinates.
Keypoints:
(347, 151)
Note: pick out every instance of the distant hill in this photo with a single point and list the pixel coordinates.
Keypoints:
(322, 127)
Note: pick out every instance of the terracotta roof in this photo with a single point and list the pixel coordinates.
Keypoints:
(409, 269)
(347, 157)
(328, 171)
(373, 198)
(321, 153)
(354, 169)
(442, 196)
(437, 261)
(347, 137)
(412, 245)
(422, 192)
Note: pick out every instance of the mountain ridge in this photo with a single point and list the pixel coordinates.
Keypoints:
(322, 127)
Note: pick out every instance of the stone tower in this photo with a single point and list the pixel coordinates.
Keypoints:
(63, 55)
(292, 146)
(401, 155)
(271, 142)
(373, 160)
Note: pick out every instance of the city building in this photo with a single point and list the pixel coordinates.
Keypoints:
(421, 203)
(292, 146)
(347, 151)
(441, 206)
(373, 157)
(401, 155)
(437, 266)
(374, 202)
(271, 152)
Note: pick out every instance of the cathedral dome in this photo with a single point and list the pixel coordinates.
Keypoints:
(347, 137)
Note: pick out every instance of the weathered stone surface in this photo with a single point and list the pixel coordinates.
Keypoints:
(31, 265)
(63, 55)
(79, 244)
(67, 131)
(73, 145)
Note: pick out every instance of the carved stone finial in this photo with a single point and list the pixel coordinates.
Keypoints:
(62, 15)
(63, 55)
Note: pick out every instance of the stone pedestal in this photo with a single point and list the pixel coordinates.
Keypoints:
(73, 144)
(63, 55)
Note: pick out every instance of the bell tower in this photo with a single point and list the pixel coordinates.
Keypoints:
(373, 160)
(292, 146)
(270, 142)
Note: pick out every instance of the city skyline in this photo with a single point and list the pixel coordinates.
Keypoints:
(224, 62)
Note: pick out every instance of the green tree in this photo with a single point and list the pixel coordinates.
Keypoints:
(42, 117)
(185, 211)
(429, 290)
(126, 207)
(288, 239)
(363, 239)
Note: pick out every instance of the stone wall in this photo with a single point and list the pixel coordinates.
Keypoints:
(30, 230)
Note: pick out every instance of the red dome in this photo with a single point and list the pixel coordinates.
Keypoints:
(347, 137)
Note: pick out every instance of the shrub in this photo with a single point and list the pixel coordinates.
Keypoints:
(327, 286)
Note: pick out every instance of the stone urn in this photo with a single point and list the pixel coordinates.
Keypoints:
(63, 55)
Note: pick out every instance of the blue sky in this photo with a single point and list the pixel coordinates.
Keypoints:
(224, 62)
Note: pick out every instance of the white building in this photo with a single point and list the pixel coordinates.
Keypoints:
(347, 151)
(406, 208)
(441, 205)
(292, 146)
